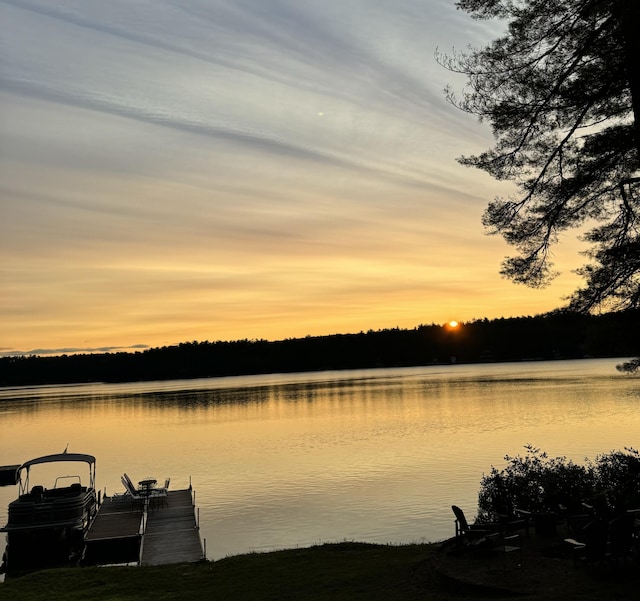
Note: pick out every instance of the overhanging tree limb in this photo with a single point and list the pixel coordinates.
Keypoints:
(561, 90)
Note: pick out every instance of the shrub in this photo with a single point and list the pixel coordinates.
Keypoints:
(629, 367)
(618, 479)
(543, 484)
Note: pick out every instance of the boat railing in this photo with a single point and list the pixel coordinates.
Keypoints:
(69, 491)
(55, 484)
(51, 508)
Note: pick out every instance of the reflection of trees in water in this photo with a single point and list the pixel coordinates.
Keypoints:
(297, 392)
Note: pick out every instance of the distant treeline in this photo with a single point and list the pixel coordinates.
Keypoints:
(557, 335)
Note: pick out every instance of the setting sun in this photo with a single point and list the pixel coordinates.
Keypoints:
(453, 324)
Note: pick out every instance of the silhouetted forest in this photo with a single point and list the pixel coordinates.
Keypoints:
(557, 335)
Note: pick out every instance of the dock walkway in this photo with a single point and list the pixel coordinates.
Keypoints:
(123, 533)
(171, 534)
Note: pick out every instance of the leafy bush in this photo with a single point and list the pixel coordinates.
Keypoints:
(543, 484)
(618, 479)
(629, 367)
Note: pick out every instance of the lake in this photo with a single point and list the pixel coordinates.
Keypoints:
(288, 460)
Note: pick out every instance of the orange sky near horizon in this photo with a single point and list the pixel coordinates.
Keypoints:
(222, 172)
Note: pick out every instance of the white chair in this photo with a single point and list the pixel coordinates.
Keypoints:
(134, 496)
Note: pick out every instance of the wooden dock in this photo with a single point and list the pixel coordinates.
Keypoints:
(125, 533)
(115, 535)
(171, 534)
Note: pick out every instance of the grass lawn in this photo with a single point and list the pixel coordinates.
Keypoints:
(343, 571)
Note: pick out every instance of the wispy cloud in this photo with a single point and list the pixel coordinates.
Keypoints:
(43, 352)
(180, 169)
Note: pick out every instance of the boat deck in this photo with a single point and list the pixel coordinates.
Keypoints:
(125, 533)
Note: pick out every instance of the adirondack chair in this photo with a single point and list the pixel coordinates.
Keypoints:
(471, 534)
(131, 493)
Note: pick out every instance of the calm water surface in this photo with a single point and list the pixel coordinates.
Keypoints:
(298, 459)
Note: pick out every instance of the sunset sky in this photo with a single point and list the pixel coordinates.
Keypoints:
(176, 170)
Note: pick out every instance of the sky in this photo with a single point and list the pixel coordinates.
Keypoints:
(178, 170)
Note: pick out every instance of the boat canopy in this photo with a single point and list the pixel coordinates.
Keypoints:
(90, 459)
(56, 458)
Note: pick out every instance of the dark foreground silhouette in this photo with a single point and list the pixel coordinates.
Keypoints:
(340, 572)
